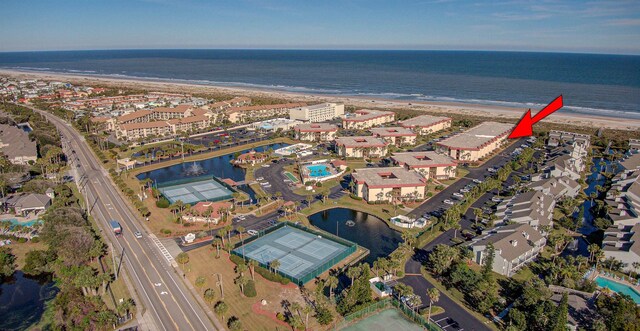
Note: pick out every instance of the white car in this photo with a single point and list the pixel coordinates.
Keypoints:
(458, 195)
(492, 170)
(252, 232)
(137, 234)
(496, 199)
(477, 181)
(260, 179)
(449, 202)
(464, 190)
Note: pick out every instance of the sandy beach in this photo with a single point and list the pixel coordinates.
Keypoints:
(493, 112)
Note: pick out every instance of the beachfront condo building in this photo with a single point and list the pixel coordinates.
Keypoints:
(316, 132)
(622, 242)
(254, 113)
(317, 113)
(426, 124)
(475, 143)
(429, 164)
(395, 135)
(388, 184)
(361, 146)
(367, 118)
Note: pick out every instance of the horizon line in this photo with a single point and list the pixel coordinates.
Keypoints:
(327, 49)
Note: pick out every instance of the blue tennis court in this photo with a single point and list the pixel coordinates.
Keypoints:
(302, 255)
(207, 189)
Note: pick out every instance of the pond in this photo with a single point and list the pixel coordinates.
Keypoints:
(22, 300)
(219, 166)
(369, 231)
(594, 179)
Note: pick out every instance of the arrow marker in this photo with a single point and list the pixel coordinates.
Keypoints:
(524, 127)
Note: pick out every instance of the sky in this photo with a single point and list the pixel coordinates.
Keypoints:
(611, 26)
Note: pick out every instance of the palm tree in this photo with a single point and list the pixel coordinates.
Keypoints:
(252, 265)
(456, 226)
(209, 295)
(332, 283)
(353, 272)
(241, 268)
(200, 281)
(434, 296)
(217, 242)
(221, 309)
(307, 309)
(275, 264)
(477, 212)
(241, 281)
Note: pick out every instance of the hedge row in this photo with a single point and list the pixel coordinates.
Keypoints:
(274, 277)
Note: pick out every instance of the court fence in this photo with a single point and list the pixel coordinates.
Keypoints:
(317, 271)
(191, 180)
(382, 305)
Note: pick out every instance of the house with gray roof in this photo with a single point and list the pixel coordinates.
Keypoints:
(622, 242)
(534, 208)
(16, 145)
(24, 203)
(558, 187)
(515, 245)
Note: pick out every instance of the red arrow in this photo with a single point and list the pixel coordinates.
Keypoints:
(524, 127)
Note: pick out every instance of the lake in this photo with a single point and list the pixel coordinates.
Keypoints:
(369, 231)
(22, 300)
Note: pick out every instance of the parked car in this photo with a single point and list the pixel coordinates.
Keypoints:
(464, 190)
(477, 181)
(252, 232)
(449, 202)
(496, 199)
(458, 195)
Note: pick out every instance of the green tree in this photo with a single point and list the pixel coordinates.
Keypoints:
(434, 297)
(487, 263)
(441, 258)
(209, 295)
(200, 281)
(7, 262)
(221, 308)
(560, 319)
(182, 258)
(234, 324)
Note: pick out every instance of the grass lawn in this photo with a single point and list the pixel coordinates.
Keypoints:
(203, 263)
(20, 250)
(523, 274)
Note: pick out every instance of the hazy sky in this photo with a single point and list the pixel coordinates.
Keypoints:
(574, 26)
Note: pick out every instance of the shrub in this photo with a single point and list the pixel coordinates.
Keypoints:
(162, 203)
(355, 197)
(268, 275)
(165, 232)
(22, 240)
(35, 239)
(250, 289)
(280, 316)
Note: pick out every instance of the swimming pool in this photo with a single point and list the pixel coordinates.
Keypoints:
(318, 170)
(14, 221)
(618, 288)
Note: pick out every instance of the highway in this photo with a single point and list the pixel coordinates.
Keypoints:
(169, 303)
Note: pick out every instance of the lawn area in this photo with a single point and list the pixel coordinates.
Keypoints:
(203, 263)
(20, 250)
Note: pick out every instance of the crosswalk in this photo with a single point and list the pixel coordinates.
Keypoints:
(163, 249)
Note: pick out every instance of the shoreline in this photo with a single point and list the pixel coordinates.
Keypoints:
(488, 111)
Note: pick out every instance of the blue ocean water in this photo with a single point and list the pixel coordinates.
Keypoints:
(605, 85)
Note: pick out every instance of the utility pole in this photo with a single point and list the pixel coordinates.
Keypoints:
(219, 283)
(113, 257)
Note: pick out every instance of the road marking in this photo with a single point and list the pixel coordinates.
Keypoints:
(161, 247)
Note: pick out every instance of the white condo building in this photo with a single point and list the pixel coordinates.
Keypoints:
(317, 113)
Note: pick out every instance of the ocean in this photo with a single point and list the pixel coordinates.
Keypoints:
(601, 85)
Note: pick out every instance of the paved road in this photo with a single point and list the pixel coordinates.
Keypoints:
(455, 317)
(168, 302)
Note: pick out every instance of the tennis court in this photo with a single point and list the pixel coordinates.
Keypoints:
(390, 319)
(207, 189)
(302, 255)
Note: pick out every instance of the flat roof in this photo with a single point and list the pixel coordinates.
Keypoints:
(368, 114)
(424, 121)
(360, 141)
(393, 131)
(388, 177)
(478, 136)
(316, 127)
(423, 159)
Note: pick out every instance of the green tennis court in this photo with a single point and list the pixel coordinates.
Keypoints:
(390, 319)
(291, 177)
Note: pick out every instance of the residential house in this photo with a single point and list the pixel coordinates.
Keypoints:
(317, 132)
(426, 124)
(367, 118)
(534, 208)
(16, 145)
(361, 146)
(475, 143)
(622, 242)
